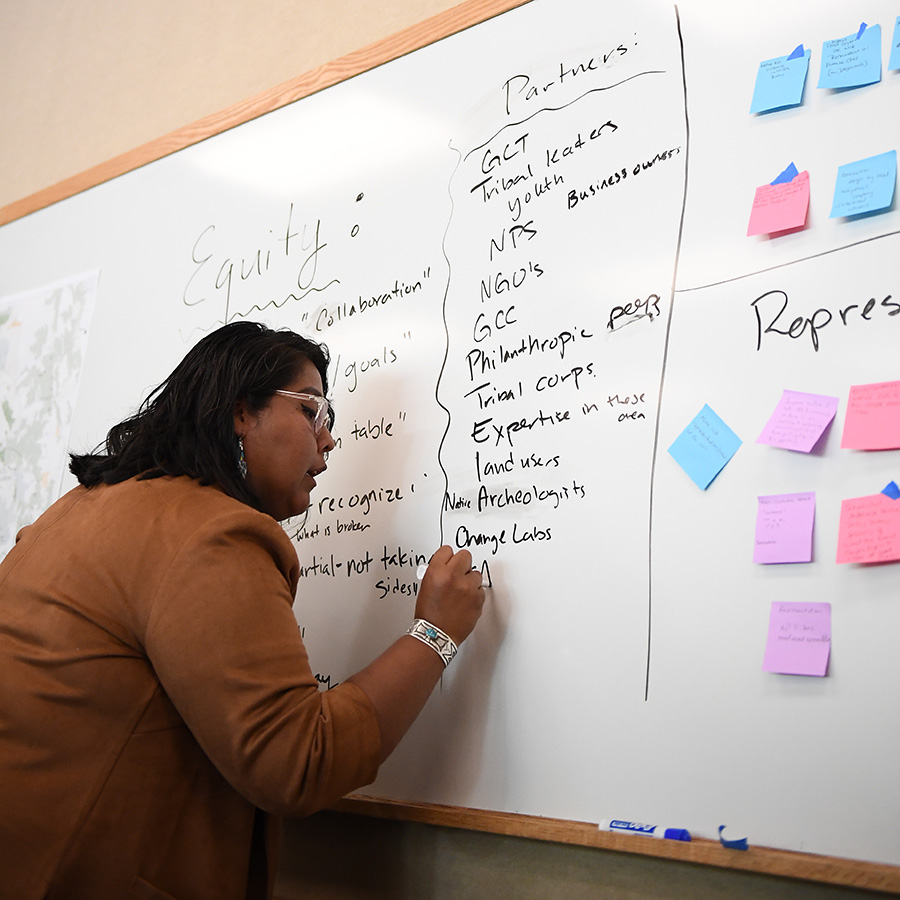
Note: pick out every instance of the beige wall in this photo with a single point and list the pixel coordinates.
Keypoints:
(82, 81)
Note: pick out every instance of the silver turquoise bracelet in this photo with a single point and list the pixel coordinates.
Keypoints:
(438, 640)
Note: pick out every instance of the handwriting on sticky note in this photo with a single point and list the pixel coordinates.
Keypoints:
(866, 185)
(894, 61)
(704, 447)
(779, 207)
(779, 81)
(784, 528)
(852, 61)
(798, 421)
(869, 531)
(799, 641)
(873, 417)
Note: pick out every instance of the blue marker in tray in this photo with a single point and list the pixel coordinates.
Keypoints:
(622, 826)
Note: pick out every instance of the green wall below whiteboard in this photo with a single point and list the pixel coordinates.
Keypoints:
(335, 856)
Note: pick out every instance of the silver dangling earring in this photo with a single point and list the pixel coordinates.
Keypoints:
(242, 462)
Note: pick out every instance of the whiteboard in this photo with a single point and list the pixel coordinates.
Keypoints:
(462, 226)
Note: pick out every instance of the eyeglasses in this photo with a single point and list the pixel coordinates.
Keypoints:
(317, 408)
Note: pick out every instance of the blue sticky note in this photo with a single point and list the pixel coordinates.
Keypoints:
(779, 82)
(704, 447)
(787, 176)
(892, 491)
(852, 61)
(866, 185)
(894, 61)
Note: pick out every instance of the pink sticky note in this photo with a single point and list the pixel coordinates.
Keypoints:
(799, 640)
(873, 417)
(869, 531)
(784, 528)
(777, 207)
(798, 421)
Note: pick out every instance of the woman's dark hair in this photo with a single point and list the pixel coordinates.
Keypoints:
(186, 425)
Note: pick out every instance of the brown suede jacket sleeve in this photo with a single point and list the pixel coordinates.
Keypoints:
(154, 690)
(222, 637)
(118, 590)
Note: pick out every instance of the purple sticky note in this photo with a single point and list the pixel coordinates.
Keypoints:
(784, 528)
(799, 640)
(798, 421)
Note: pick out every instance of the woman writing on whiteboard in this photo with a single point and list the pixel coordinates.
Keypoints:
(156, 703)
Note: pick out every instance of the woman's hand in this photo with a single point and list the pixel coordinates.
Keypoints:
(452, 595)
(399, 681)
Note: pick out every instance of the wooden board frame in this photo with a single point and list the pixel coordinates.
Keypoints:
(760, 860)
(764, 860)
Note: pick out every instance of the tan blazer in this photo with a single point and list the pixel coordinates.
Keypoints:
(155, 697)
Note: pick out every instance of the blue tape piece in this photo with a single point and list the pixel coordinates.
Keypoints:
(892, 491)
(862, 28)
(788, 175)
(799, 53)
(740, 844)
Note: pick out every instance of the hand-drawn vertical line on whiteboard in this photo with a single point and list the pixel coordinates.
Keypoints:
(567, 211)
(665, 358)
(437, 385)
